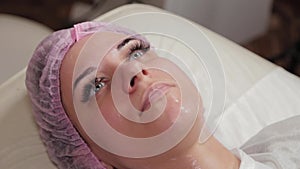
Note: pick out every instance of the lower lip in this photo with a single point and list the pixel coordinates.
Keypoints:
(155, 95)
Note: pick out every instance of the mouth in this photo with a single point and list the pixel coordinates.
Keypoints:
(153, 93)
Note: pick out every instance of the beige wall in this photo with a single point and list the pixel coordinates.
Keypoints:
(238, 20)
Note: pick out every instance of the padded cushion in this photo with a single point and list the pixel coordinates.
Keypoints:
(19, 37)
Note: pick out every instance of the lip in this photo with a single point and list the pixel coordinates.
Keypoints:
(153, 93)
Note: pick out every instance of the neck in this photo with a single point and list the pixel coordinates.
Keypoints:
(209, 155)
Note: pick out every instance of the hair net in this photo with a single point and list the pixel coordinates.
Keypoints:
(65, 146)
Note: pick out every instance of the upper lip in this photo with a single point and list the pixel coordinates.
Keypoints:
(150, 89)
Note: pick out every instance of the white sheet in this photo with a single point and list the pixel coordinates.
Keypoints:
(274, 98)
(277, 145)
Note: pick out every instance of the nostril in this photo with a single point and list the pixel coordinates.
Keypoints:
(144, 72)
(132, 81)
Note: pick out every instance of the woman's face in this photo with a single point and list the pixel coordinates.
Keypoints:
(138, 93)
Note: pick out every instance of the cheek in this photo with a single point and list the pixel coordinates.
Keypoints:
(109, 112)
(171, 111)
(116, 120)
(139, 130)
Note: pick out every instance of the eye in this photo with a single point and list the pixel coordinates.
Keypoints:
(137, 49)
(99, 84)
(136, 54)
(92, 88)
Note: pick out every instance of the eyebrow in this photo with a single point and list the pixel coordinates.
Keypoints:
(82, 75)
(124, 42)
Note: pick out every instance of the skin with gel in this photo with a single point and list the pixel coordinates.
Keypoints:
(149, 90)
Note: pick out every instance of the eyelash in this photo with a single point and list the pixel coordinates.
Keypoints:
(90, 89)
(87, 89)
(138, 46)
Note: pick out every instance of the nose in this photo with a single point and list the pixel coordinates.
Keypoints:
(136, 79)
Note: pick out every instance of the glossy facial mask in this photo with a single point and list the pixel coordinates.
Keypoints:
(170, 112)
(179, 120)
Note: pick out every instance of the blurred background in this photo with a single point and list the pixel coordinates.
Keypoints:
(270, 28)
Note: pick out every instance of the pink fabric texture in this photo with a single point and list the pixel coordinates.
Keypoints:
(64, 145)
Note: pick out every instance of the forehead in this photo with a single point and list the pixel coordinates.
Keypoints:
(97, 42)
(90, 49)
